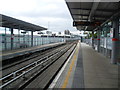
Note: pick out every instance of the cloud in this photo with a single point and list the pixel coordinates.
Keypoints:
(34, 8)
(39, 12)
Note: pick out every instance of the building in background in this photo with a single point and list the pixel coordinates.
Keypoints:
(48, 32)
(67, 32)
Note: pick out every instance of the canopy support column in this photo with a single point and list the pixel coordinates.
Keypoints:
(31, 38)
(12, 34)
(5, 40)
(98, 39)
(115, 41)
(93, 39)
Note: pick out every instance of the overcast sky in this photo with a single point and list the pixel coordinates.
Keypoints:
(52, 13)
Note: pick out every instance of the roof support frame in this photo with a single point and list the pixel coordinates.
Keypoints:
(117, 14)
(100, 10)
(97, 16)
(93, 10)
(84, 19)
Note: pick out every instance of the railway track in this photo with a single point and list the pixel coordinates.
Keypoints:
(30, 70)
(16, 60)
(21, 63)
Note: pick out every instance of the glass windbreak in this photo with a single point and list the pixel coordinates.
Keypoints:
(5, 38)
(22, 39)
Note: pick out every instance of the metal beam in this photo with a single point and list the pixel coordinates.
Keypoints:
(93, 10)
(100, 10)
(95, 16)
(117, 14)
(80, 15)
(85, 19)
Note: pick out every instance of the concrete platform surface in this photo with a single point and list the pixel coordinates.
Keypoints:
(98, 71)
(86, 68)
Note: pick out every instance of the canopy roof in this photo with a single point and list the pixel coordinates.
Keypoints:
(19, 24)
(91, 11)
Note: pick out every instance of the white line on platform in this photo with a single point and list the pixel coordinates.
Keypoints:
(52, 85)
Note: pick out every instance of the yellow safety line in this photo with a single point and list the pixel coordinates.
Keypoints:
(70, 69)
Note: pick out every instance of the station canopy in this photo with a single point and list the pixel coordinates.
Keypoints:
(89, 14)
(10, 22)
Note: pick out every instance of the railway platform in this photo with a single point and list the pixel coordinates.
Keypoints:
(68, 63)
(87, 68)
(22, 51)
(75, 65)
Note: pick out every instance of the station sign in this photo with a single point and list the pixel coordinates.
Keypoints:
(86, 23)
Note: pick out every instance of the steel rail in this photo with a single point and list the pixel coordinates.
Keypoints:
(32, 65)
